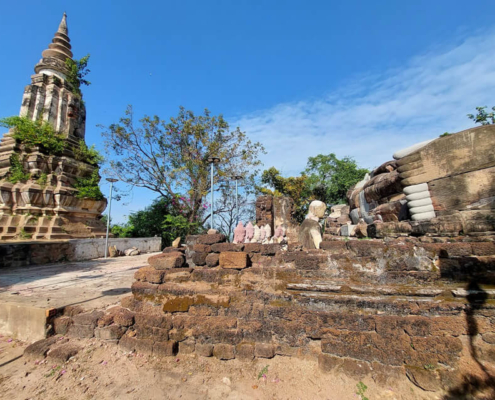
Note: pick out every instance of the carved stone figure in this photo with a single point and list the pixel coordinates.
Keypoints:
(262, 234)
(268, 233)
(256, 236)
(239, 233)
(249, 232)
(310, 231)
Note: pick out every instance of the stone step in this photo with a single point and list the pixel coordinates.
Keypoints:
(377, 304)
(335, 287)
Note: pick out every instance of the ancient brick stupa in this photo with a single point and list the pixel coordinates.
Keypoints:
(46, 202)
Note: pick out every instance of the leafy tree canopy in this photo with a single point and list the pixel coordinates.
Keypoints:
(158, 219)
(483, 117)
(325, 178)
(171, 158)
(329, 178)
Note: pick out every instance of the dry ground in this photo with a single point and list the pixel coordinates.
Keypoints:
(105, 371)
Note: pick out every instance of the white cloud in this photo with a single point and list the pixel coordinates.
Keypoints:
(374, 116)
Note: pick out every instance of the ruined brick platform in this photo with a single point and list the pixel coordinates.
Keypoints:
(365, 307)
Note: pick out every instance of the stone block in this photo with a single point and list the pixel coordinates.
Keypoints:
(328, 363)
(123, 317)
(264, 350)
(61, 353)
(489, 337)
(90, 319)
(347, 230)
(154, 320)
(212, 260)
(110, 333)
(483, 248)
(39, 349)
(343, 219)
(449, 250)
(81, 331)
(224, 351)
(355, 368)
(367, 248)
(172, 303)
(150, 274)
(211, 239)
(252, 247)
(128, 343)
(204, 349)
(334, 246)
(61, 325)
(424, 379)
(233, 260)
(222, 247)
(389, 229)
(361, 230)
(165, 349)
(202, 248)
(151, 332)
(167, 260)
(173, 249)
(178, 275)
(106, 320)
(70, 311)
(307, 261)
(187, 346)
(270, 249)
(144, 288)
(144, 346)
(283, 349)
(199, 258)
(244, 351)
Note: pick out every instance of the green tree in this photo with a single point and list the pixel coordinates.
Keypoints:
(294, 187)
(483, 117)
(325, 178)
(171, 158)
(157, 219)
(329, 178)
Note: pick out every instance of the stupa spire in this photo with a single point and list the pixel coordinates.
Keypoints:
(62, 28)
(58, 51)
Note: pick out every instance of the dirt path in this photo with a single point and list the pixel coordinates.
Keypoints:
(105, 371)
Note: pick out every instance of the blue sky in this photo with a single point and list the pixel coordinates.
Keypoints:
(358, 78)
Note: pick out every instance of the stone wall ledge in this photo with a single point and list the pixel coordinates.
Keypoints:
(36, 252)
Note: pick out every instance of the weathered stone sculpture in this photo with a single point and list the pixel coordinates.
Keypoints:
(257, 234)
(268, 234)
(239, 233)
(44, 203)
(262, 234)
(450, 175)
(249, 232)
(310, 231)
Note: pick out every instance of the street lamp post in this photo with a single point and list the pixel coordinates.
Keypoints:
(112, 181)
(212, 161)
(237, 178)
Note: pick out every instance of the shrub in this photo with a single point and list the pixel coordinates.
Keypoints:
(77, 70)
(35, 133)
(88, 154)
(17, 172)
(88, 188)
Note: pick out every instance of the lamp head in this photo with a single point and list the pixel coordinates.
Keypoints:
(213, 160)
